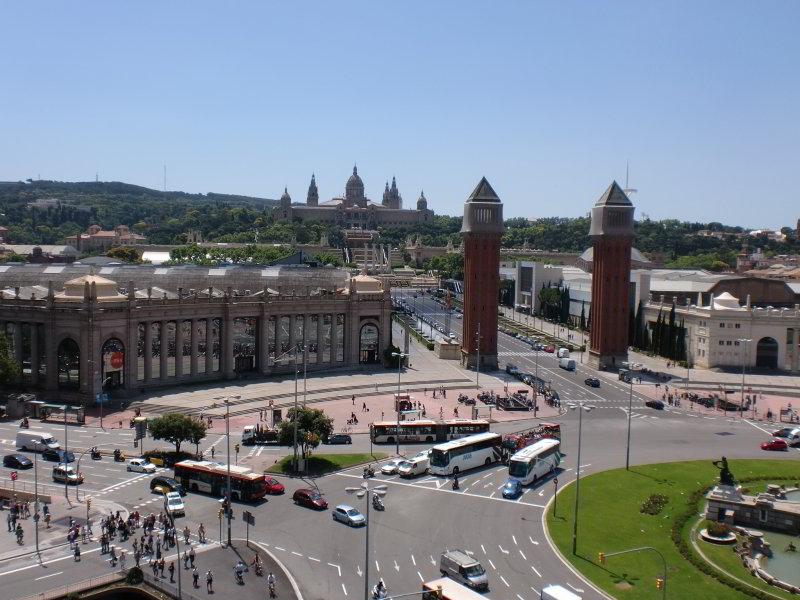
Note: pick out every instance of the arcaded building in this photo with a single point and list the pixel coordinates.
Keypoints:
(78, 332)
(354, 210)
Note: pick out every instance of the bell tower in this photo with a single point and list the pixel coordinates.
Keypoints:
(482, 228)
(611, 233)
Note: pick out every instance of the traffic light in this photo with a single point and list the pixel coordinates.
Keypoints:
(236, 447)
(220, 512)
(601, 558)
(659, 583)
(88, 503)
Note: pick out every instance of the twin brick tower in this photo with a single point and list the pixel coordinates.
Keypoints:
(611, 233)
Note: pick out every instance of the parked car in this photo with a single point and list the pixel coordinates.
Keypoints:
(512, 488)
(390, 467)
(17, 461)
(349, 515)
(141, 465)
(274, 486)
(775, 444)
(339, 438)
(657, 404)
(310, 499)
(592, 382)
(173, 504)
(162, 484)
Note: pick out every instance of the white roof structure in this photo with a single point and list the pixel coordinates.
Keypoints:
(726, 301)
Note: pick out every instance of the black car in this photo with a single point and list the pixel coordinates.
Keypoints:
(61, 456)
(657, 404)
(592, 382)
(166, 484)
(339, 438)
(17, 461)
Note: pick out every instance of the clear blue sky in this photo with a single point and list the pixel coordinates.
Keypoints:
(548, 100)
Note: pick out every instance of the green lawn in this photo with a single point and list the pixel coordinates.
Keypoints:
(610, 520)
(319, 464)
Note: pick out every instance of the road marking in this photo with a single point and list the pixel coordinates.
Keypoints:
(433, 562)
(522, 554)
(515, 540)
(484, 549)
(46, 576)
(297, 553)
(520, 597)
(535, 571)
(535, 591)
(532, 541)
(492, 494)
(377, 567)
(420, 577)
(314, 559)
(413, 561)
(579, 590)
(760, 428)
(541, 492)
(504, 581)
(338, 568)
(492, 564)
(344, 589)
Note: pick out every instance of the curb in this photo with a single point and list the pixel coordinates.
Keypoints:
(283, 568)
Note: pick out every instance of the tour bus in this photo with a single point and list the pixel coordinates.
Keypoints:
(212, 478)
(535, 461)
(426, 430)
(447, 589)
(466, 453)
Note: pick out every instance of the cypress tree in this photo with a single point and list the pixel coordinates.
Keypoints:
(638, 328)
(672, 334)
(656, 344)
(583, 315)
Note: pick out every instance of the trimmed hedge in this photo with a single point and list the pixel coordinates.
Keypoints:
(654, 504)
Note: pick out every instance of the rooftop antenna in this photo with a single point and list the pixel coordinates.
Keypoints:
(628, 190)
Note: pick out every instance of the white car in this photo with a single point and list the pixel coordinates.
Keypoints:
(173, 504)
(390, 468)
(141, 465)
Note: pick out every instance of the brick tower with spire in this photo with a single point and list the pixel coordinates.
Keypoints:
(482, 228)
(611, 233)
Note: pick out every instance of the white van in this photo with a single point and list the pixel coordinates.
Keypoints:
(36, 440)
(557, 592)
(793, 439)
(460, 566)
(563, 353)
(62, 473)
(567, 363)
(414, 466)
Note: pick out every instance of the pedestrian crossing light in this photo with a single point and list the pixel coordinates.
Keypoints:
(220, 512)
(236, 447)
(659, 583)
(88, 503)
(601, 558)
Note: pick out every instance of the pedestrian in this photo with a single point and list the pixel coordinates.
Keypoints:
(381, 415)
(201, 534)
(191, 556)
(172, 572)
(364, 407)
(185, 559)
(195, 577)
(77, 553)
(137, 556)
(9, 522)
(122, 558)
(212, 451)
(209, 581)
(161, 566)
(186, 533)
(154, 565)
(354, 399)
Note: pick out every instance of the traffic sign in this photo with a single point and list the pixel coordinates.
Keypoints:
(249, 518)
(101, 398)
(13, 475)
(555, 480)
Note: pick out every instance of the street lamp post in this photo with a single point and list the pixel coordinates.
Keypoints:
(744, 342)
(364, 491)
(630, 409)
(66, 479)
(227, 401)
(178, 544)
(582, 407)
(36, 502)
(294, 417)
(400, 356)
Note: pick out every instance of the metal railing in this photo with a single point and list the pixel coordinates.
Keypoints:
(78, 586)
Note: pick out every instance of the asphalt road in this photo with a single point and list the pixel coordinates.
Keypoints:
(423, 516)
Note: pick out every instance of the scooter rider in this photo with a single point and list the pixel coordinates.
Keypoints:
(238, 570)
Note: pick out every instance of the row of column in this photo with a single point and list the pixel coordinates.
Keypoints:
(194, 339)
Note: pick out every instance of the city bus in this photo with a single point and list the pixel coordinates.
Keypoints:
(535, 461)
(426, 430)
(447, 589)
(466, 453)
(212, 478)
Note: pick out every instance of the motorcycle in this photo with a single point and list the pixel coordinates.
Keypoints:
(379, 591)
(377, 503)
(258, 568)
(118, 456)
(24, 424)
(369, 472)
(96, 455)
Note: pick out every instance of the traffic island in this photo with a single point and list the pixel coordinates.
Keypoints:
(322, 464)
(658, 507)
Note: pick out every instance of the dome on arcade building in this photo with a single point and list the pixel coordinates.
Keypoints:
(422, 202)
(354, 190)
(286, 199)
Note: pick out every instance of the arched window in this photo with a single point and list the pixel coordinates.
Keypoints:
(767, 353)
(113, 375)
(69, 360)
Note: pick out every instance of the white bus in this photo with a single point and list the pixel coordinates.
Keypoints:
(465, 453)
(426, 430)
(535, 461)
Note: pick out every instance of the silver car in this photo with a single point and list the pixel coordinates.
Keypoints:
(349, 515)
(390, 468)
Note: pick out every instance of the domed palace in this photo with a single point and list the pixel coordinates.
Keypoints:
(354, 210)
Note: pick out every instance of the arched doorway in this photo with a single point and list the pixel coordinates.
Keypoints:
(69, 360)
(767, 353)
(368, 344)
(113, 356)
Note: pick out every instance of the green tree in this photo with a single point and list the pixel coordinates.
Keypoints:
(126, 254)
(176, 429)
(313, 425)
(450, 266)
(9, 368)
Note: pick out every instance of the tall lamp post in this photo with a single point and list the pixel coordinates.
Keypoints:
(364, 491)
(177, 540)
(400, 356)
(581, 408)
(630, 409)
(744, 342)
(227, 401)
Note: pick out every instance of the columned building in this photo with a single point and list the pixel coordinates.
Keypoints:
(611, 232)
(79, 336)
(482, 228)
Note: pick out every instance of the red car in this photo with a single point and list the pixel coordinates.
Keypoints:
(274, 486)
(775, 444)
(550, 349)
(310, 498)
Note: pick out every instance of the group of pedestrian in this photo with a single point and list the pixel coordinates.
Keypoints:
(441, 390)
